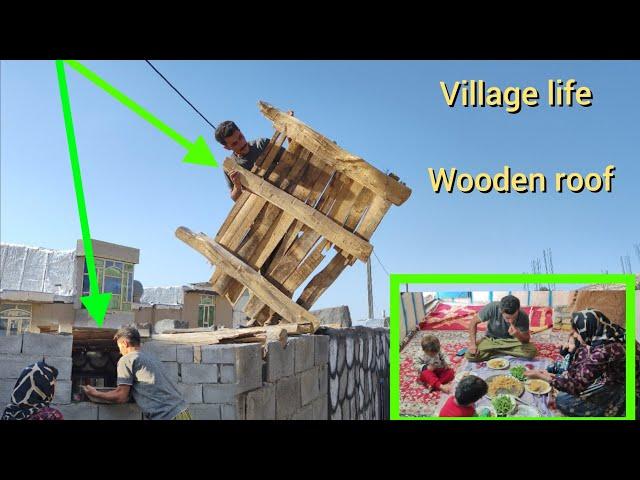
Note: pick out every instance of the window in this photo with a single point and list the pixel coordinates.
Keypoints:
(15, 318)
(115, 277)
(206, 311)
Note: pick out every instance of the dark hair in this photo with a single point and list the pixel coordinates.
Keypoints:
(470, 389)
(430, 343)
(130, 334)
(224, 130)
(510, 304)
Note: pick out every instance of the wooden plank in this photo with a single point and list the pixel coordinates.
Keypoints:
(261, 167)
(226, 334)
(323, 280)
(360, 205)
(270, 295)
(377, 210)
(303, 212)
(306, 268)
(343, 161)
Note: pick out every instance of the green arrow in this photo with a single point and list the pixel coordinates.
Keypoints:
(198, 152)
(96, 302)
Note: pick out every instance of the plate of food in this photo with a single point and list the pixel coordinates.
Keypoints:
(460, 375)
(537, 387)
(504, 405)
(498, 363)
(504, 384)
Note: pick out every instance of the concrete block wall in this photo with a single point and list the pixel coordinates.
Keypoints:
(19, 351)
(358, 373)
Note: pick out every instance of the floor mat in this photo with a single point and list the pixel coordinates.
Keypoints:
(447, 316)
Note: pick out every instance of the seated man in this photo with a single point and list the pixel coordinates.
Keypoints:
(507, 332)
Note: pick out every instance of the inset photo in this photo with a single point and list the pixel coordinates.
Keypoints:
(539, 353)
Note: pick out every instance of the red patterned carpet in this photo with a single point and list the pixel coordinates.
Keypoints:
(416, 400)
(449, 317)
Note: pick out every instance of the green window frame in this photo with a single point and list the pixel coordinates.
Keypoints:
(206, 311)
(115, 277)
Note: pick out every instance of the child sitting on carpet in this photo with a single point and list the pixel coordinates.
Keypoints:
(469, 390)
(435, 371)
(567, 351)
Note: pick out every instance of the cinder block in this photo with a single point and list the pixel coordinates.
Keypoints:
(229, 412)
(321, 350)
(171, 369)
(306, 413)
(47, 344)
(248, 366)
(227, 374)
(323, 379)
(11, 366)
(123, 411)
(185, 353)
(79, 411)
(321, 408)
(261, 403)
(62, 394)
(304, 353)
(309, 385)
(219, 354)
(6, 387)
(11, 344)
(63, 364)
(199, 373)
(163, 351)
(190, 393)
(213, 393)
(279, 360)
(287, 397)
(205, 412)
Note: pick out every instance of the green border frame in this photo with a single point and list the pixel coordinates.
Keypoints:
(397, 279)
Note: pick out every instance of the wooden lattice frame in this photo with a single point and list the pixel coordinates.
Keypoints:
(288, 217)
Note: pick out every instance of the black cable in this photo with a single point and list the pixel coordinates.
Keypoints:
(183, 97)
(374, 252)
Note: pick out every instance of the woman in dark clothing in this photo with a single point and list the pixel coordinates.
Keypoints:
(33, 393)
(594, 383)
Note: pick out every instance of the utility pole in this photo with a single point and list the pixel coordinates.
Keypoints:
(370, 288)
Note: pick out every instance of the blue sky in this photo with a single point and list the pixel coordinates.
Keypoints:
(392, 114)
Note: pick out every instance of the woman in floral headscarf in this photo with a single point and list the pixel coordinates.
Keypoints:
(594, 383)
(33, 393)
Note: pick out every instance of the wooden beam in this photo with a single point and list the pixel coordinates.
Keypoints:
(299, 210)
(270, 295)
(343, 161)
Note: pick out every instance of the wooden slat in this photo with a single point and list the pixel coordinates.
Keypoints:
(236, 268)
(237, 206)
(226, 334)
(343, 161)
(302, 271)
(309, 216)
(323, 280)
(261, 167)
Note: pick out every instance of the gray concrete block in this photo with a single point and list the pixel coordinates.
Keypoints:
(171, 369)
(123, 411)
(306, 413)
(199, 373)
(321, 408)
(323, 379)
(304, 353)
(47, 344)
(63, 364)
(321, 353)
(215, 393)
(6, 387)
(261, 403)
(227, 373)
(309, 385)
(79, 411)
(219, 353)
(62, 394)
(280, 361)
(11, 366)
(11, 344)
(248, 366)
(190, 393)
(229, 412)
(163, 351)
(205, 412)
(287, 397)
(185, 353)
